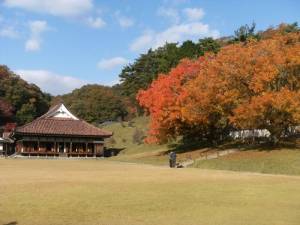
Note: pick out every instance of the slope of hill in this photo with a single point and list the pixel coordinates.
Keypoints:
(132, 149)
(283, 161)
(20, 101)
(96, 103)
(128, 142)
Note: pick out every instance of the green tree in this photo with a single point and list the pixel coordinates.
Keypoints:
(147, 67)
(27, 101)
(95, 103)
(26, 114)
(208, 45)
(245, 32)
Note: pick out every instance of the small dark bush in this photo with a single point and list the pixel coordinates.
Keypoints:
(138, 136)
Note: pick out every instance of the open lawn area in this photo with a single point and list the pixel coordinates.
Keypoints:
(283, 161)
(101, 192)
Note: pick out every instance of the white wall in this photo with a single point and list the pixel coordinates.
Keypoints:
(249, 133)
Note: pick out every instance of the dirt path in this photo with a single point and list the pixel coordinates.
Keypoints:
(214, 155)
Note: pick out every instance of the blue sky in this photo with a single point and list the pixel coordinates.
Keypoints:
(62, 45)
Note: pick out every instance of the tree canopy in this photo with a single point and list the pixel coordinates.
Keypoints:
(249, 85)
(20, 101)
(147, 67)
(96, 103)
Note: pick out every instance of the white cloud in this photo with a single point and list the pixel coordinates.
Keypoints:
(8, 29)
(36, 27)
(112, 63)
(51, 82)
(65, 8)
(142, 42)
(124, 21)
(187, 28)
(194, 14)
(175, 33)
(96, 23)
(170, 13)
(32, 45)
(112, 82)
(9, 32)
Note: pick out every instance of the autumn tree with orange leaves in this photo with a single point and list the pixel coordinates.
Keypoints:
(251, 85)
(163, 101)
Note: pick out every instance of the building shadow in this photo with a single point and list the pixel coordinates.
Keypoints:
(109, 152)
(11, 223)
(187, 146)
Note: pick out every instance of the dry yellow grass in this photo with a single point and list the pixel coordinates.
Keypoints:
(101, 192)
(283, 161)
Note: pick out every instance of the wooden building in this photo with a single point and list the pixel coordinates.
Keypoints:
(60, 133)
(2, 146)
(6, 147)
(6, 144)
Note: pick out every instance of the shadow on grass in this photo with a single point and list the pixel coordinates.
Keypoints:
(262, 144)
(242, 145)
(182, 147)
(112, 151)
(11, 223)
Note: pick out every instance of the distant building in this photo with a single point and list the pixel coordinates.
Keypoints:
(60, 133)
(249, 133)
(6, 142)
(2, 142)
(6, 146)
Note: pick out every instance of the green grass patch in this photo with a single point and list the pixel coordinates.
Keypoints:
(131, 151)
(275, 161)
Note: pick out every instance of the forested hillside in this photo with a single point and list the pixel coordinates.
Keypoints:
(147, 67)
(96, 103)
(19, 101)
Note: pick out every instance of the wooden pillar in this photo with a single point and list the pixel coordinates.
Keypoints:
(38, 154)
(38, 144)
(5, 146)
(17, 147)
(86, 149)
(71, 148)
(95, 150)
(102, 149)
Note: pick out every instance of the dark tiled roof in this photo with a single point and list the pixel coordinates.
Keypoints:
(59, 126)
(48, 124)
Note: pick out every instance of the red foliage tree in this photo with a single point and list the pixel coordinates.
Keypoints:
(163, 100)
(251, 85)
(6, 111)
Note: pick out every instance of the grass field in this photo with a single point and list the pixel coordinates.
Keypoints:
(123, 136)
(50, 192)
(282, 161)
(134, 152)
(276, 162)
